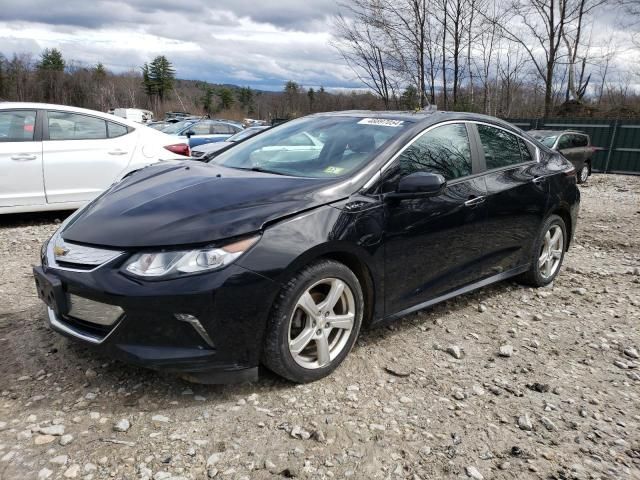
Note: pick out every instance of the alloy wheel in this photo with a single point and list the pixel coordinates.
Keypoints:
(584, 174)
(551, 252)
(321, 323)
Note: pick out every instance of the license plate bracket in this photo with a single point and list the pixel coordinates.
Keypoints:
(51, 291)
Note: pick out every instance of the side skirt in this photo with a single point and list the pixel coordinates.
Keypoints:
(461, 291)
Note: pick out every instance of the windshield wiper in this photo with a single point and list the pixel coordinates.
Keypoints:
(261, 170)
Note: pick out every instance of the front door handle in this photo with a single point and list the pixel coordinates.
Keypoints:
(472, 202)
(539, 180)
(22, 157)
(117, 152)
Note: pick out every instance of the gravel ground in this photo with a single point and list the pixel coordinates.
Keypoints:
(546, 385)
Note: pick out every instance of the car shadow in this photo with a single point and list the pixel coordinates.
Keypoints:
(13, 220)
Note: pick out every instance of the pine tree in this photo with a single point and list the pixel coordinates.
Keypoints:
(226, 98)
(99, 72)
(51, 74)
(51, 60)
(207, 99)
(158, 77)
(312, 97)
(245, 97)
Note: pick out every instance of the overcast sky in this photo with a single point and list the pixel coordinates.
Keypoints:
(261, 43)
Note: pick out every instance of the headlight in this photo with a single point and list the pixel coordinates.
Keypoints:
(184, 262)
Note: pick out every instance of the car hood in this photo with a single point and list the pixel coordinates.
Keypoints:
(188, 202)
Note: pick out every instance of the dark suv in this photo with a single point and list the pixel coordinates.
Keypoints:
(574, 146)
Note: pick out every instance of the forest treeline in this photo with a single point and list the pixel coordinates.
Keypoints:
(519, 58)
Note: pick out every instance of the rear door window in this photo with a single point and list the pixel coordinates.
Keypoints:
(580, 140)
(501, 148)
(17, 125)
(74, 126)
(202, 128)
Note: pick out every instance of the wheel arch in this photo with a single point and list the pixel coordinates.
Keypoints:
(565, 215)
(358, 260)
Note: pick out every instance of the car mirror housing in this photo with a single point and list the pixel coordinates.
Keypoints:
(419, 184)
(190, 133)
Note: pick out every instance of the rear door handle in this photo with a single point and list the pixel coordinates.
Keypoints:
(117, 152)
(22, 157)
(472, 202)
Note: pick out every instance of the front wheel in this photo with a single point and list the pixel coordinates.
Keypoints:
(548, 253)
(314, 322)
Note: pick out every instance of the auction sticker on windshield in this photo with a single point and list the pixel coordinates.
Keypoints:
(383, 122)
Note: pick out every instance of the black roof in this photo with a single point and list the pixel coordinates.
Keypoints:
(421, 116)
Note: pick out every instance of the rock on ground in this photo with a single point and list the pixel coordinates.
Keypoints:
(427, 397)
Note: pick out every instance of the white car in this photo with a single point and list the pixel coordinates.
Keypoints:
(208, 148)
(54, 157)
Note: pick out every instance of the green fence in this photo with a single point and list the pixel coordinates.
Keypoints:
(617, 141)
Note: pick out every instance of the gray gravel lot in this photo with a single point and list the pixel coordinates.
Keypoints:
(563, 402)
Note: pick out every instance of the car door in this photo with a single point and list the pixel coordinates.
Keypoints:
(433, 244)
(21, 182)
(83, 155)
(568, 146)
(517, 196)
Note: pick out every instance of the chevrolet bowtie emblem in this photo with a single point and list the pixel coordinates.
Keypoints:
(60, 251)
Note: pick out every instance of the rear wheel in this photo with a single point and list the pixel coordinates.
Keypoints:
(548, 253)
(314, 323)
(583, 174)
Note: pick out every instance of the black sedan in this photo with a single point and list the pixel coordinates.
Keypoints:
(280, 251)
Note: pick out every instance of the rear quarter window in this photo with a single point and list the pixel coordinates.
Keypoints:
(115, 130)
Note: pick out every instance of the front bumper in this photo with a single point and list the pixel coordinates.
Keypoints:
(156, 328)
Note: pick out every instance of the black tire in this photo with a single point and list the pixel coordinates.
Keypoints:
(586, 169)
(534, 277)
(276, 353)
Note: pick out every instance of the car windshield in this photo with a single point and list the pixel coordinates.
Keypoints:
(546, 140)
(318, 147)
(178, 127)
(249, 132)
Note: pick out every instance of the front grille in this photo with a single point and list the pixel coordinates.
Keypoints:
(73, 256)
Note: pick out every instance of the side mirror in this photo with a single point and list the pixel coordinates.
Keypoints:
(190, 133)
(419, 184)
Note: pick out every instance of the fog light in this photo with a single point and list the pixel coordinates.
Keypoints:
(197, 326)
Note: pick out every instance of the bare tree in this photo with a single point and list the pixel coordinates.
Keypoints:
(359, 44)
(544, 22)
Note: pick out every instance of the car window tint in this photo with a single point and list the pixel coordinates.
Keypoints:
(300, 140)
(220, 129)
(565, 142)
(549, 141)
(202, 128)
(444, 150)
(580, 141)
(17, 125)
(525, 150)
(116, 130)
(74, 126)
(336, 146)
(501, 148)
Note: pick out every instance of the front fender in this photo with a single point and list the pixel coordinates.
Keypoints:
(287, 246)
